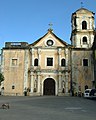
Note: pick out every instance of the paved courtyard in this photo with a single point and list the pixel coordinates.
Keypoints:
(48, 108)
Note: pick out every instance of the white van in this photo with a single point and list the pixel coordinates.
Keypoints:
(87, 93)
(90, 93)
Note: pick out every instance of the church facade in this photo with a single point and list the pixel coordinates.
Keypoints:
(50, 66)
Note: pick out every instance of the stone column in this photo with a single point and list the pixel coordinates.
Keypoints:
(78, 26)
(26, 70)
(66, 56)
(66, 84)
(32, 51)
(60, 81)
(39, 83)
(91, 24)
(59, 57)
(39, 56)
(32, 82)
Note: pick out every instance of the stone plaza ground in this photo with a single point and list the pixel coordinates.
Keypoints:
(48, 108)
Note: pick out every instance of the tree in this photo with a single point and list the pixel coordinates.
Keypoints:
(1, 78)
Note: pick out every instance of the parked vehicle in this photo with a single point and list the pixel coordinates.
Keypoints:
(93, 94)
(87, 93)
(90, 93)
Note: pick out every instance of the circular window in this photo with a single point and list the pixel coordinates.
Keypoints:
(49, 42)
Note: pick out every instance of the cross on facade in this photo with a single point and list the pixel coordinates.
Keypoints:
(50, 26)
(82, 5)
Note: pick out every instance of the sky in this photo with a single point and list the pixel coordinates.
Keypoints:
(28, 20)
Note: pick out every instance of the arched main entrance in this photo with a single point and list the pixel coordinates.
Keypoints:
(49, 87)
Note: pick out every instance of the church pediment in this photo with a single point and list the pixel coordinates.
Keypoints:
(49, 40)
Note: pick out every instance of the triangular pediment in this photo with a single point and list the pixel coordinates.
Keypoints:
(49, 40)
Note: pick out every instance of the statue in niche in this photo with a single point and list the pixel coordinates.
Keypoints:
(63, 91)
(35, 86)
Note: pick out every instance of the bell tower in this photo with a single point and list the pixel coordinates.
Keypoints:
(83, 27)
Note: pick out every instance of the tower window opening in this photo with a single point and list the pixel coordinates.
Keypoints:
(84, 40)
(84, 25)
(85, 62)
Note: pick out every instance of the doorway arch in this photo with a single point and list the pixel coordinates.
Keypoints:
(49, 86)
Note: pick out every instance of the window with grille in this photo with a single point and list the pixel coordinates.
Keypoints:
(85, 62)
(14, 62)
(49, 61)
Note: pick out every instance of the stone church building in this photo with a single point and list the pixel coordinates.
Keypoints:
(50, 66)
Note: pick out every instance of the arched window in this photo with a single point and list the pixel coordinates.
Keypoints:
(84, 40)
(13, 87)
(84, 25)
(63, 62)
(36, 62)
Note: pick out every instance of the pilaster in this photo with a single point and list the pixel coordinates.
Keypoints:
(59, 57)
(60, 82)
(26, 70)
(32, 52)
(39, 84)
(66, 55)
(32, 82)
(39, 56)
(66, 83)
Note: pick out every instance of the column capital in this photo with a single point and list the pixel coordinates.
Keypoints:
(32, 51)
(39, 50)
(39, 73)
(31, 68)
(32, 74)
(59, 51)
(38, 69)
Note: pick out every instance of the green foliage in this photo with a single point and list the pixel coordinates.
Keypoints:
(1, 78)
